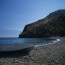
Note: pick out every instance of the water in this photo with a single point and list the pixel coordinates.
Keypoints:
(36, 41)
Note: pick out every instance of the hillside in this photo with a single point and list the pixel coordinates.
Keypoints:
(52, 25)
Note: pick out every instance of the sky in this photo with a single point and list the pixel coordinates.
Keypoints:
(15, 14)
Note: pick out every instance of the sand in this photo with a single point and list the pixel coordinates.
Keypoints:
(51, 54)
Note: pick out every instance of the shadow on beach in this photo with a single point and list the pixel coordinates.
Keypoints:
(18, 53)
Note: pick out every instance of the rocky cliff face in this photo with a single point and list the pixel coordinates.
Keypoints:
(52, 25)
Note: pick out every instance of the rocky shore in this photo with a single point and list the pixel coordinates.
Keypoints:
(52, 54)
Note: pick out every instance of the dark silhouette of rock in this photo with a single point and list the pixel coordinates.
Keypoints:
(52, 25)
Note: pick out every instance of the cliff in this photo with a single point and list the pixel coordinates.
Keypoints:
(52, 25)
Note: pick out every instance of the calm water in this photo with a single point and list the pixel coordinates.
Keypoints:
(36, 41)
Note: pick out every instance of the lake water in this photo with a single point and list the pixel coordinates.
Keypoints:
(36, 41)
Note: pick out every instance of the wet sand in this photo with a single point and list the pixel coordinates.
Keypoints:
(52, 54)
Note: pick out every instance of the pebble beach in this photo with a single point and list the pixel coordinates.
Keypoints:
(51, 54)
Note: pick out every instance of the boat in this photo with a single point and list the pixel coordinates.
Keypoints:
(15, 47)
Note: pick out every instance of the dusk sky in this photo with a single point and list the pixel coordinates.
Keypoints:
(15, 14)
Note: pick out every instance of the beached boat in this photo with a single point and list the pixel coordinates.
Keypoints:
(14, 47)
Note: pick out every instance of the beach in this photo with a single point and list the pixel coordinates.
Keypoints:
(50, 54)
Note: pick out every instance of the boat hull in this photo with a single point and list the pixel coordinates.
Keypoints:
(14, 47)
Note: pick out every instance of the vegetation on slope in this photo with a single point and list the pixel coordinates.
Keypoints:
(52, 25)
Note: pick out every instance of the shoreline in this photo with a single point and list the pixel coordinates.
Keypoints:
(57, 40)
(51, 54)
